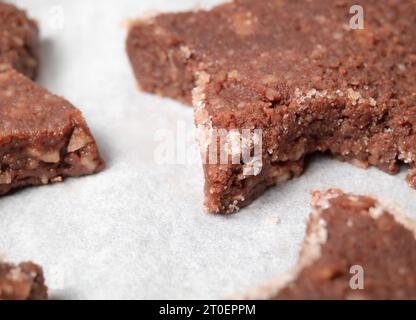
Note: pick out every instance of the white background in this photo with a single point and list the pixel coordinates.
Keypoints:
(137, 230)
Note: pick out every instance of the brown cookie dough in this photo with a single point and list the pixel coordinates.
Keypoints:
(43, 138)
(294, 70)
(356, 247)
(22, 282)
(18, 40)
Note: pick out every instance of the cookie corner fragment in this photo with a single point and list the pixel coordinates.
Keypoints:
(22, 282)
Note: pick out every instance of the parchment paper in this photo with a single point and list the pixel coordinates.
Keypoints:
(137, 230)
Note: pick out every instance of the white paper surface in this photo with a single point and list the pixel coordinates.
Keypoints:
(137, 230)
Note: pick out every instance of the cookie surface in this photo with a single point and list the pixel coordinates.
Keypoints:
(19, 40)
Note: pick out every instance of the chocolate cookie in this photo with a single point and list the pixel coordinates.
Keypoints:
(356, 247)
(299, 73)
(43, 138)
